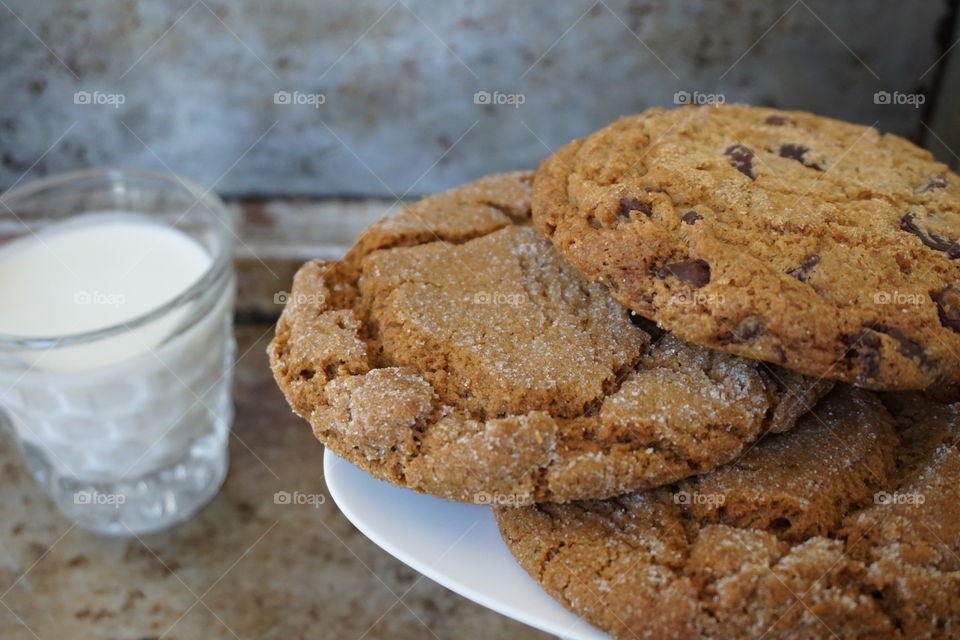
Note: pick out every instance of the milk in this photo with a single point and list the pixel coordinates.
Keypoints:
(151, 394)
(116, 343)
(96, 271)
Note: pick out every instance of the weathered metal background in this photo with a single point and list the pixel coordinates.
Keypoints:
(190, 85)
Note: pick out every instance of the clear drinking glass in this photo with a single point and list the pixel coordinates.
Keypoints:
(139, 444)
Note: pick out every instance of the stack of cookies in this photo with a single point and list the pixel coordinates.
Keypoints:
(659, 357)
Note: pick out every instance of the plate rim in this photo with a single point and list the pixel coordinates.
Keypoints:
(569, 633)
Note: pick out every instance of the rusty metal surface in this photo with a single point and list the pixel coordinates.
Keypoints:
(190, 85)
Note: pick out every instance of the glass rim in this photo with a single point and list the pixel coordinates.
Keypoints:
(220, 263)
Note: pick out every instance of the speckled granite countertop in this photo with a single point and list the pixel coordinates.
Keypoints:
(244, 567)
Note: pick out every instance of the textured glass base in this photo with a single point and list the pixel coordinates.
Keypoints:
(138, 505)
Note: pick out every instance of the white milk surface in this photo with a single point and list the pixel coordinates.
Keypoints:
(96, 271)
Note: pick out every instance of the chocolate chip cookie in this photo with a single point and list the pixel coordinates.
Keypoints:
(453, 351)
(847, 526)
(816, 244)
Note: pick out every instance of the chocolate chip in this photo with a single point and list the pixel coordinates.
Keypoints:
(804, 270)
(779, 121)
(633, 204)
(741, 158)
(690, 217)
(948, 308)
(793, 151)
(747, 329)
(797, 152)
(907, 346)
(938, 181)
(695, 272)
(865, 347)
(866, 344)
(933, 240)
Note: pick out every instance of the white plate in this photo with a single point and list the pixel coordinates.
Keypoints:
(456, 545)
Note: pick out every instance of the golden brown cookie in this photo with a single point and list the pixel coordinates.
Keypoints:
(453, 351)
(788, 237)
(848, 526)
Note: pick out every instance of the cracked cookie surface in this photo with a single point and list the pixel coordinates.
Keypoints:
(847, 526)
(788, 237)
(453, 351)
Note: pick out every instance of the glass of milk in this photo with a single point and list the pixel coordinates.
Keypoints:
(116, 343)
